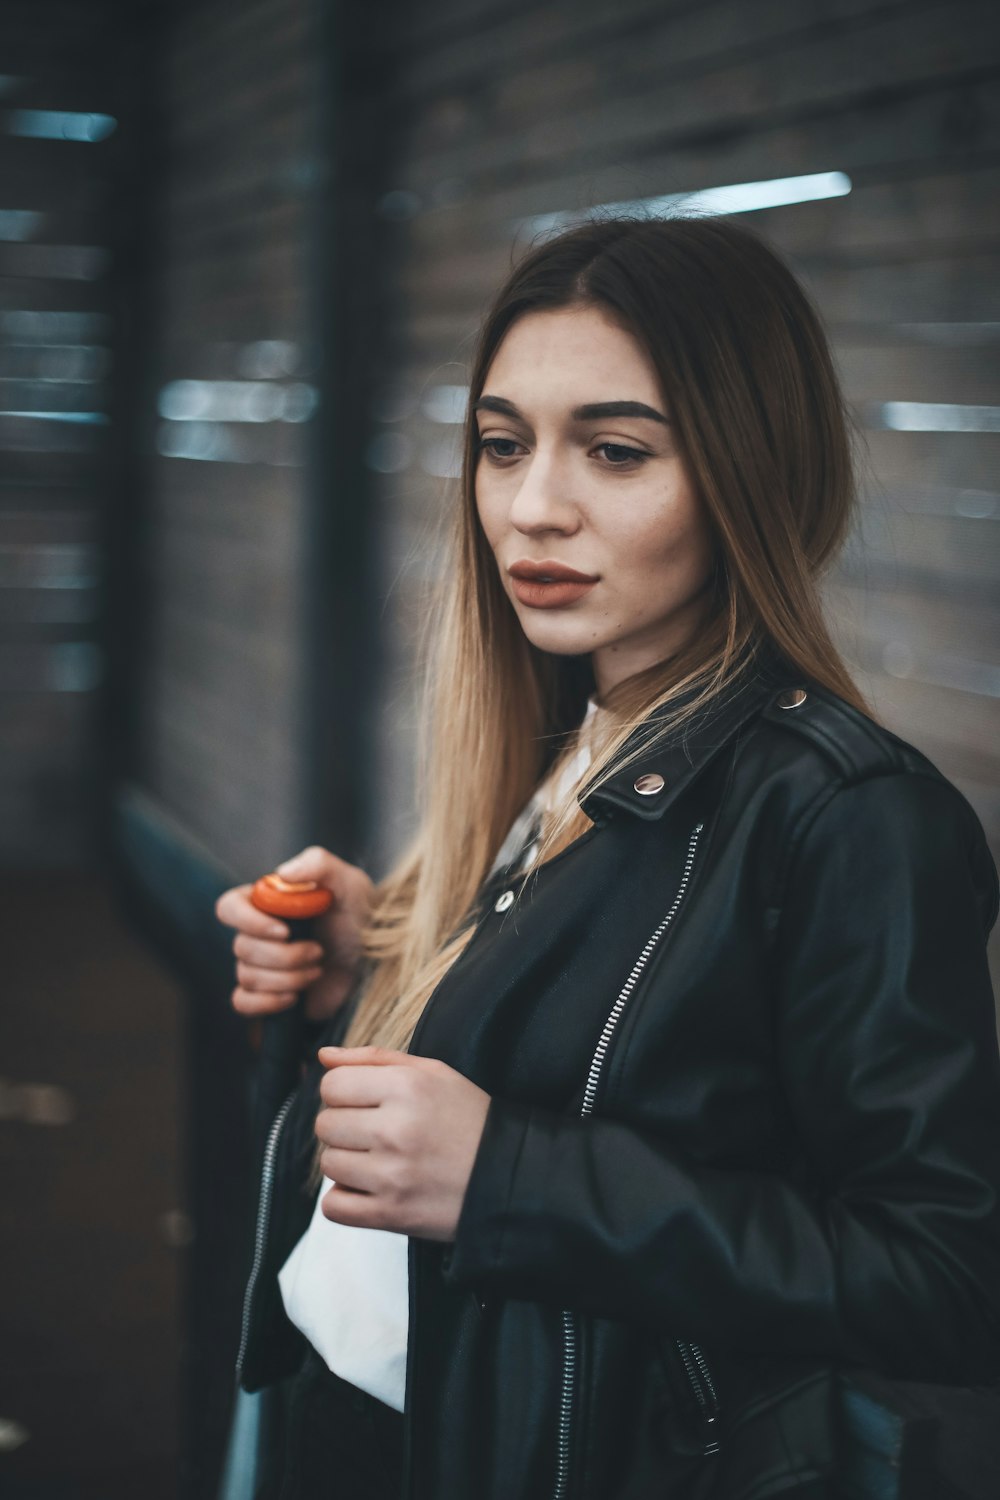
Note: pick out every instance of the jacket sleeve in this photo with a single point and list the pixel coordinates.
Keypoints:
(888, 1253)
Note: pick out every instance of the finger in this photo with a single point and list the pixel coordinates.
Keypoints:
(249, 1003)
(332, 1057)
(269, 981)
(235, 909)
(350, 1129)
(359, 1210)
(349, 1169)
(315, 863)
(261, 954)
(357, 1086)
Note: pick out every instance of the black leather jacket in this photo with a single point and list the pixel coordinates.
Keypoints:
(744, 1131)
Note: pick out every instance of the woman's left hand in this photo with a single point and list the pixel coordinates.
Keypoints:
(400, 1134)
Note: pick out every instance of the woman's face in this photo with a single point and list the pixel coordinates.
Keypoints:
(578, 470)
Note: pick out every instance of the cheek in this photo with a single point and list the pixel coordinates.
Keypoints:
(669, 543)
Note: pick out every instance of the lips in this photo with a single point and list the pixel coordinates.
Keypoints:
(547, 571)
(547, 584)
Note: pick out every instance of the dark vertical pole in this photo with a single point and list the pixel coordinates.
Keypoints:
(166, 891)
(139, 31)
(341, 624)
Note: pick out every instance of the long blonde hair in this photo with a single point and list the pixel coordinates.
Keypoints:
(762, 425)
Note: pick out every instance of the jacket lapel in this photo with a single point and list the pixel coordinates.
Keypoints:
(681, 757)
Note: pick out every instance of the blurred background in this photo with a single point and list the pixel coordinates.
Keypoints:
(244, 245)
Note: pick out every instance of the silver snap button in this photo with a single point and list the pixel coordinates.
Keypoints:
(649, 784)
(504, 901)
(794, 698)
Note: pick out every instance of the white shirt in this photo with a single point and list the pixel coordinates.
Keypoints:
(346, 1288)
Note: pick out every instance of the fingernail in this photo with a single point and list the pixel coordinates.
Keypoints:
(277, 930)
(288, 868)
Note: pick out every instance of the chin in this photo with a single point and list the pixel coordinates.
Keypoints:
(560, 637)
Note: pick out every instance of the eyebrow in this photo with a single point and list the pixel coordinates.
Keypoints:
(589, 413)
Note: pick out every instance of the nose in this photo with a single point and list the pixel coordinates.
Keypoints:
(543, 502)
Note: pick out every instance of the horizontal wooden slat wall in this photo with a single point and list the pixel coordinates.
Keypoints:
(236, 355)
(60, 156)
(506, 111)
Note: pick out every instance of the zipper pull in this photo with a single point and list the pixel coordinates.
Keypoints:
(711, 1441)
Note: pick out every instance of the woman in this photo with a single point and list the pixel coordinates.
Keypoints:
(666, 1055)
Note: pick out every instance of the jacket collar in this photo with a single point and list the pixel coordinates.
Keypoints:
(680, 758)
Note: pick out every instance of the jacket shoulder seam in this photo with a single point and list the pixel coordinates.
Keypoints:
(846, 737)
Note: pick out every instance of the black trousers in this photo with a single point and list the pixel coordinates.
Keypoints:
(333, 1441)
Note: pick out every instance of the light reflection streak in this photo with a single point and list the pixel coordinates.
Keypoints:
(735, 198)
(19, 223)
(933, 416)
(446, 403)
(60, 125)
(236, 401)
(78, 418)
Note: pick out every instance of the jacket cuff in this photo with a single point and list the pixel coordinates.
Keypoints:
(499, 1177)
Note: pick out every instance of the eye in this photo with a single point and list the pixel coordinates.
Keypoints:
(498, 448)
(619, 456)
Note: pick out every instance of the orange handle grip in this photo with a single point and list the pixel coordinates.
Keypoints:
(290, 898)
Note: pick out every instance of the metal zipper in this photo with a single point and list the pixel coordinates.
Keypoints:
(694, 1363)
(703, 1385)
(263, 1214)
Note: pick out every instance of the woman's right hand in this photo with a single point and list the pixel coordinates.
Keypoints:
(271, 971)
